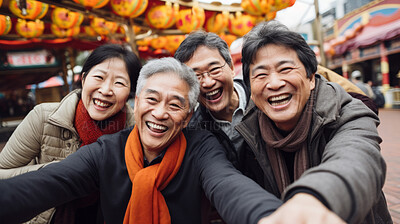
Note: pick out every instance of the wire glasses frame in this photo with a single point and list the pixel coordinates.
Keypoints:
(213, 73)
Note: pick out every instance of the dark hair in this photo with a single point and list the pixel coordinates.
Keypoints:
(273, 32)
(201, 38)
(107, 51)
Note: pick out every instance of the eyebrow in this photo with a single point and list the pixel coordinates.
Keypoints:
(181, 99)
(276, 65)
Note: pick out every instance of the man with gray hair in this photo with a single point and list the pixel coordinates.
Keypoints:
(154, 172)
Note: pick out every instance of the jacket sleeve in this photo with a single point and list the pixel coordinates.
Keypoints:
(237, 198)
(23, 145)
(29, 194)
(351, 173)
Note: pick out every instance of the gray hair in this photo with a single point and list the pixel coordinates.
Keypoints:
(170, 64)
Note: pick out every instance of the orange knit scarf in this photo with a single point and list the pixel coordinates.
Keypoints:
(147, 205)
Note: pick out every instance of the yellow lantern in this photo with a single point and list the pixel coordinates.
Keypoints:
(190, 19)
(161, 17)
(5, 25)
(128, 8)
(1, 2)
(173, 42)
(65, 18)
(62, 33)
(34, 9)
(264, 7)
(92, 3)
(90, 31)
(143, 42)
(241, 24)
(217, 22)
(158, 43)
(103, 27)
(29, 29)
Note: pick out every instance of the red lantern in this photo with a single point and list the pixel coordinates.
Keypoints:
(190, 19)
(5, 25)
(92, 3)
(29, 29)
(161, 17)
(65, 18)
(34, 9)
(129, 8)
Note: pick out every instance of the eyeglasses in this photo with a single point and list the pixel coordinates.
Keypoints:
(213, 73)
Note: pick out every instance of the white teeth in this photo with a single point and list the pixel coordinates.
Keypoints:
(279, 103)
(156, 126)
(101, 104)
(212, 93)
(281, 97)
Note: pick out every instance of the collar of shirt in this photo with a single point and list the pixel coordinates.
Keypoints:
(156, 160)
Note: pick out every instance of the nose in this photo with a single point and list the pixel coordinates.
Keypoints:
(106, 88)
(207, 81)
(275, 82)
(159, 112)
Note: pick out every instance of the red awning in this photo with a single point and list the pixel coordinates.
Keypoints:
(372, 33)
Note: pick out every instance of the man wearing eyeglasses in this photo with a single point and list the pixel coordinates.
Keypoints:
(223, 97)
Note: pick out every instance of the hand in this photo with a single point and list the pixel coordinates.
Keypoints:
(302, 208)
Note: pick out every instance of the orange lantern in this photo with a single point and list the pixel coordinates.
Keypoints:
(103, 27)
(241, 24)
(34, 9)
(161, 17)
(1, 2)
(129, 8)
(217, 22)
(190, 19)
(173, 42)
(29, 29)
(158, 43)
(59, 32)
(5, 25)
(264, 7)
(143, 42)
(90, 31)
(65, 18)
(228, 38)
(92, 3)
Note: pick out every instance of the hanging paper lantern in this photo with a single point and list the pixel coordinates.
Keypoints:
(217, 22)
(62, 33)
(264, 7)
(128, 8)
(241, 24)
(103, 27)
(158, 43)
(90, 31)
(65, 18)
(92, 3)
(5, 25)
(228, 38)
(173, 42)
(29, 29)
(34, 9)
(190, 19)
(1, 2)
(161, 17)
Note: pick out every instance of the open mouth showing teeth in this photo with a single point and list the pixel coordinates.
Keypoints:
(156, 127)
(280, 100)
(214, 94)
(101, 103)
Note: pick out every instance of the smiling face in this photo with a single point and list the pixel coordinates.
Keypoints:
(105, 89)
(279, 85)
(216, 94)
(161, 111)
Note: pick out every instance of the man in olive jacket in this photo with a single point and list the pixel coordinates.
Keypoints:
(308, 141)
